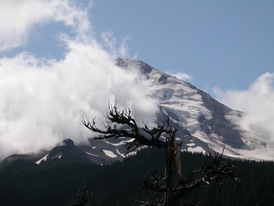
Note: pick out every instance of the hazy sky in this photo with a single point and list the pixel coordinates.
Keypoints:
(56, 60)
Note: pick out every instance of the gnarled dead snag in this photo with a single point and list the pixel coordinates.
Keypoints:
(120, 123)
(142, 135)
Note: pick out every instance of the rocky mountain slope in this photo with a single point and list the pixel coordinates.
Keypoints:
(204, 124)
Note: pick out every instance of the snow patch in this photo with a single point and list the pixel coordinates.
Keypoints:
(116, 144)
(42, 159)
(119, 153)
(94, 155)
(191, 144)
(196, 150)
(110, 153)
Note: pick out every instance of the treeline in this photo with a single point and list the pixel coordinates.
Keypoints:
(56, 182)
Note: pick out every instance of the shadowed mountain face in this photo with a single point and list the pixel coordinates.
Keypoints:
(204, 124)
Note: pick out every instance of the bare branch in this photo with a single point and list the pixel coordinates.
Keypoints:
(211, 172)
(120, 123)
(129, 128)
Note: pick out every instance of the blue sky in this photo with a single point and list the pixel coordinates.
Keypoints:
(225, 44)
(56, 61)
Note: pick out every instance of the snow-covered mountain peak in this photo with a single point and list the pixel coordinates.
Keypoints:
(204, 124)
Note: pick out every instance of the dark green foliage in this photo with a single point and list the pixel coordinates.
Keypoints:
(83, 196)
(56, 183)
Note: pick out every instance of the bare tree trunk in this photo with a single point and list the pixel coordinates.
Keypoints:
(173, 173)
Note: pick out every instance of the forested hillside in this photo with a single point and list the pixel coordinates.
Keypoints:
(56, 182)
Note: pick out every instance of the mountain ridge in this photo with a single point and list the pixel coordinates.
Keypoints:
(204, 124)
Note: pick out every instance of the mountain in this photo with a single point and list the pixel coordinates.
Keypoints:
(65, 151)
(204, 124)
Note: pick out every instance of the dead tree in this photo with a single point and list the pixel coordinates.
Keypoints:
(120, 123)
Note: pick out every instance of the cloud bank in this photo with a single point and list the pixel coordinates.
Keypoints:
(42, 101)
(17, 18)
(258, 104)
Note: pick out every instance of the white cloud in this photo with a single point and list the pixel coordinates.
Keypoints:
(44, 100)
(257, 103)
(18, 17)
(180, 75)
(113, 47)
